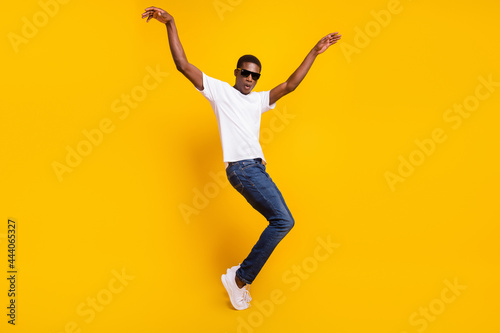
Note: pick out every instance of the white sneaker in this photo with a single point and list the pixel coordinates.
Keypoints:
(234, 269)
(240, 297)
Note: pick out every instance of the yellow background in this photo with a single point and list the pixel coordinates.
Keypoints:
(354, 115)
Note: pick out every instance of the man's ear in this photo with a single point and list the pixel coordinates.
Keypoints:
(235, 72)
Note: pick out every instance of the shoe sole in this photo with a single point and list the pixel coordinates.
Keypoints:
(228, 289)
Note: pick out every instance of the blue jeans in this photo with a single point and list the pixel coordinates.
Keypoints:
(249, 177)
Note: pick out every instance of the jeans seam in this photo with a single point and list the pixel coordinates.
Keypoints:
(239, 185)
(247, 177)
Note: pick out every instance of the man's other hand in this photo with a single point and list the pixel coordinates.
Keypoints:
(326, 42)
(156, 13)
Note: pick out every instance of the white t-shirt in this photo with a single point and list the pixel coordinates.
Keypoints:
(238, 118)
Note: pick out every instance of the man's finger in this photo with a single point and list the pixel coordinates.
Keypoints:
(148, 13)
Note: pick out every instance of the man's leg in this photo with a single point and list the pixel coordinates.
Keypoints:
(252, 181)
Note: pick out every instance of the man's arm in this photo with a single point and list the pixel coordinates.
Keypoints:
(188, 70)
(299, 74)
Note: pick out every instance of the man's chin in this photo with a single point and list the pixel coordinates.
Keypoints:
(245, 91)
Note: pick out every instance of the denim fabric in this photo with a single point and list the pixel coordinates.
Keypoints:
(249, 178)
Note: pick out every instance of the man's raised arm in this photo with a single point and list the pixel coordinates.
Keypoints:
(299, 74)
(189, 70)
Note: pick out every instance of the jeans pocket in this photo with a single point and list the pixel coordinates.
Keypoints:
(235, 181)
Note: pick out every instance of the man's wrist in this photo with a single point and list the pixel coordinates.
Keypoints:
(170, 23)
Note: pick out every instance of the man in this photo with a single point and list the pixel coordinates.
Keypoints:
(238, 111)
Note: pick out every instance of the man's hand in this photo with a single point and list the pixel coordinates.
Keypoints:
(326, 42)
(157, 13)
(181, 63)
(294, 80)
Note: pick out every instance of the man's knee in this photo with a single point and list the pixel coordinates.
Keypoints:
(290, 222)
(284, 223)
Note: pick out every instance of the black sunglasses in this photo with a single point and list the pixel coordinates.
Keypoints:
(245, 73)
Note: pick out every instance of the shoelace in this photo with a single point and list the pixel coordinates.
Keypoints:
(246, 296)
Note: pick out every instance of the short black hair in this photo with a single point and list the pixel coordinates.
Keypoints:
(248, 58)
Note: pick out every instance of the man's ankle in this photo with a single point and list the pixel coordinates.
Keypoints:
(239, 283)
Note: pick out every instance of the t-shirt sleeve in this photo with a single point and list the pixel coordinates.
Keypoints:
(209, 87)
(264, 96)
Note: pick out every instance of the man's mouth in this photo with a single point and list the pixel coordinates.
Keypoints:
(247, 86)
